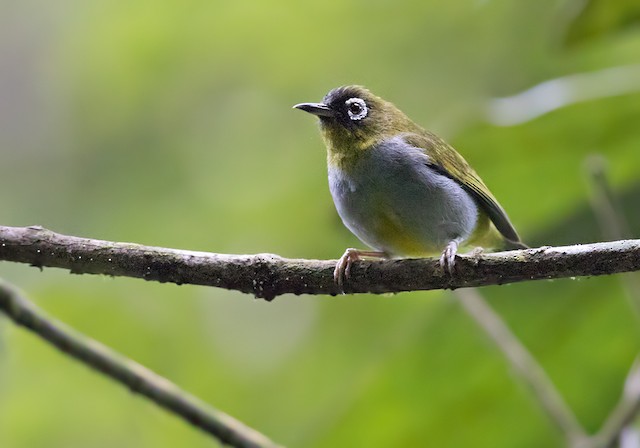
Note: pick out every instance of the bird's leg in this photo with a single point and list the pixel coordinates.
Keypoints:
(343, 266)
(448, 257)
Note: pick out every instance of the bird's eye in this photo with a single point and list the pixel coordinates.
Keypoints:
(356, 108)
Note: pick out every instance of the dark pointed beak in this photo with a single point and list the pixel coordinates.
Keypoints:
(319, 109)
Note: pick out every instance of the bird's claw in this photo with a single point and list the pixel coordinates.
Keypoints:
(342, 271)
(343, 267)
(476, 254)
(448, 257)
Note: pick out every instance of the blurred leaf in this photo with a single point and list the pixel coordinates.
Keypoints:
(599, 18)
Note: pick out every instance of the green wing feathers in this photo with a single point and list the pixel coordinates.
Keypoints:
(444, 159)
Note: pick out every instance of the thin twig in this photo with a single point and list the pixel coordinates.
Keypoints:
(625, 411)
(525, 366)
(603, 200)
(132, 375)
(267, 276)
(612, 221)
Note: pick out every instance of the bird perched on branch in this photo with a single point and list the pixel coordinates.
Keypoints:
(402, 190)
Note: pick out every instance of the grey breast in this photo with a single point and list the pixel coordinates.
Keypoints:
(393, 178)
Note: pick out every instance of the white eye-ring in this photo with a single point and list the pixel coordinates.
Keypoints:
(356, 108)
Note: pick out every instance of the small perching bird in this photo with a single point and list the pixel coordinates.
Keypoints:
(402, 190)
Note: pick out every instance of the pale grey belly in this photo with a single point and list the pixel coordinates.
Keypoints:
(394, 183)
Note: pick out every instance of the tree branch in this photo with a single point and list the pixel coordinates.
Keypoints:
(131, 374)
(267, 276)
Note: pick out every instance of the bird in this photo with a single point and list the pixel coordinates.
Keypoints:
(400, 189)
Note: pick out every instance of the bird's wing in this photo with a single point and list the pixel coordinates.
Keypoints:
(442, 155)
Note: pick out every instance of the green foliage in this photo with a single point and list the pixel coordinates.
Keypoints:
(598, 18)
(170, 123)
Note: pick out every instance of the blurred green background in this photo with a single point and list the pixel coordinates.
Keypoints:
(170, 124)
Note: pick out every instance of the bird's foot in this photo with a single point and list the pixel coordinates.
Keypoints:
(342, 271)
(448, 257)
(476, 252)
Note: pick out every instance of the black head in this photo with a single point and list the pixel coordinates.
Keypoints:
(353, 117)
(351, 107)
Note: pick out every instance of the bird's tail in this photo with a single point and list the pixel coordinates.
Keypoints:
(514, 245)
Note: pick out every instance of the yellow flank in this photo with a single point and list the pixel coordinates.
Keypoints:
(389, 230)
(485, 234)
